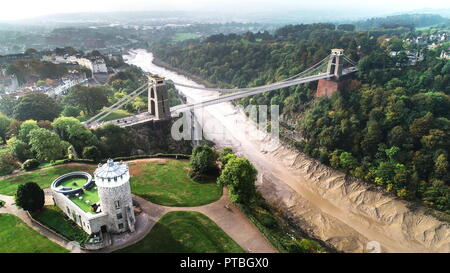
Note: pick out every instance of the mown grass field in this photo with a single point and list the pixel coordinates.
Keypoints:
(185, 232)
(163, 181)
(53, 217)
(17, 237)
(166, 182)
(42, 177)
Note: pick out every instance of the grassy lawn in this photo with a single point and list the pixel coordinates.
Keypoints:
(42, 177)
(185, 232)
(17, 237)
(185, 36)
(54, 218)
(166, 182)
(88, 198)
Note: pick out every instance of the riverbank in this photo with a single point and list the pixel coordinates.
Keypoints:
(167, 66)
(344, 213)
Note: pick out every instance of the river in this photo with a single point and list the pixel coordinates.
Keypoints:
(344, 213)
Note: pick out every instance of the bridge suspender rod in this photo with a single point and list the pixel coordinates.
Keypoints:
(225, 98)
(349, 60)
(118, 102)
(312, 68)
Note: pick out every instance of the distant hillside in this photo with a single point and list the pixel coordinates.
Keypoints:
(405, 20)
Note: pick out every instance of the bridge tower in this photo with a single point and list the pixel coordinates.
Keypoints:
(335, 62)
(327, 87)
(158, 98)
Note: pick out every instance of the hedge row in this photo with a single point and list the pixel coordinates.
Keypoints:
(123, 158)
(159, 155)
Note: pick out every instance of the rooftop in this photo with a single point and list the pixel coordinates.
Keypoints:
(111, 169)
(86, 199)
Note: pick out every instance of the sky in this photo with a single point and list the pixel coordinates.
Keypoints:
(24, 9)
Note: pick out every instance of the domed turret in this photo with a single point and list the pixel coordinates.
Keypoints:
(114, 192)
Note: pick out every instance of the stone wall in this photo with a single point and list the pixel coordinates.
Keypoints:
(108, 196)
(155, 137)
(91, 223)
(326, 88)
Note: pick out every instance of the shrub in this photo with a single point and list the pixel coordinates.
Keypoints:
(203, 163)
(30, 197)
(8, 163)
(92, 152)
(30, 164)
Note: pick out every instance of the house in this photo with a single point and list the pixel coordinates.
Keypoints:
(445, 54)
(8, 83)
(95, 64)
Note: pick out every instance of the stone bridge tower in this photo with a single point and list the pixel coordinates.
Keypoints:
(158, 98)
(327, 87)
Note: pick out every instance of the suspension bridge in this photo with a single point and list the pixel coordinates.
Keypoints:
(158, 102)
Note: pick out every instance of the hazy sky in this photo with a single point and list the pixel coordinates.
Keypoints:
(20, 9)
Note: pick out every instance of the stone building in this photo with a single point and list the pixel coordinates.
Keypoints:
(102, 205)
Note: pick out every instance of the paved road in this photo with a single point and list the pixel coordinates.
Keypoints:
(231, 220)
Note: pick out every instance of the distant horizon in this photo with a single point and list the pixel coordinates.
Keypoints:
(22, 10)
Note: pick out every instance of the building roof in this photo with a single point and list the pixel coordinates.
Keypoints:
(111, 169)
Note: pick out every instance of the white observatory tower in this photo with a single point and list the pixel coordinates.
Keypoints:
(113, 183)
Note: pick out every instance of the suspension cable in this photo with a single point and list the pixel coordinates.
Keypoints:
(310, 69)
(118, 102)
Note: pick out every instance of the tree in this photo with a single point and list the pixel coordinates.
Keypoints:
(30, 197)
(8, 163)
(88, 99)
(36, 106)
(4, 124)
(441, 166)
(114, 141)
(348, 162)
(92, 152)
(346, 27)
(239, 176)
(203, 162)
(25, 128)
(47, 145)
(13, 129)
(19, 149)
(225, 155)
(71, 111)
(71, 130)
(7, 105)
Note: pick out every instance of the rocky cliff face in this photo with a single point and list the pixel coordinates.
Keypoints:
(155, 137)
(350, 215)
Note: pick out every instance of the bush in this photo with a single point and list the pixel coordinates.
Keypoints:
(203, 163)
(30, 197)
(8, 163)
(92, 152)
(30, 164)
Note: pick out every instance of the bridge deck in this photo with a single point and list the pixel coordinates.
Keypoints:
(125, 122)
(144, 117)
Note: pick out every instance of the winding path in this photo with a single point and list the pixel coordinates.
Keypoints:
(231, 220)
